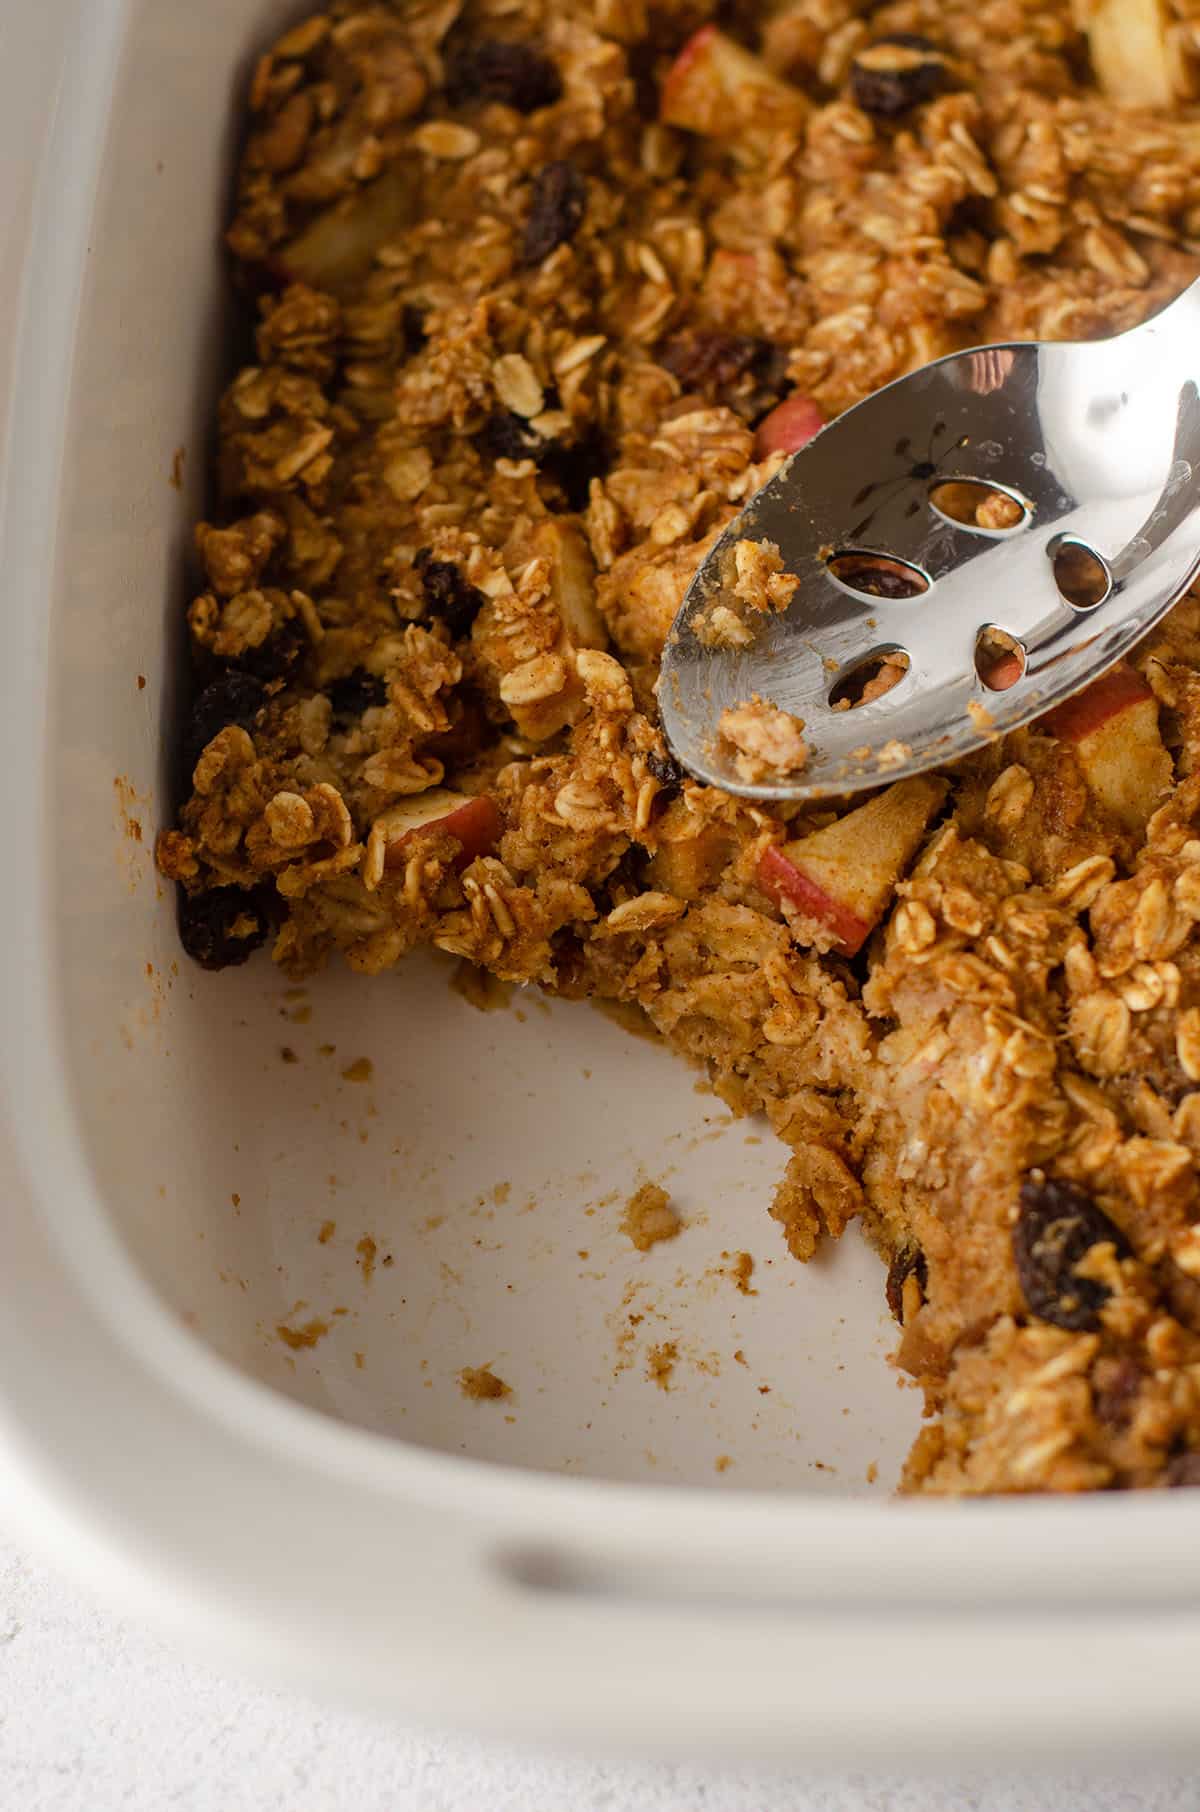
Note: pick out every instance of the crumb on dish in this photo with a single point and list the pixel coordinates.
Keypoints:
(650, 1217)
(479, 1384)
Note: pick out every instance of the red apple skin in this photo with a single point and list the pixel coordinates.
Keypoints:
(1004, 673)
(699, 47)
(1113, 692)
(1114, 731)
(779, 876)
(476, 823)
(788, 427)
(702, 91)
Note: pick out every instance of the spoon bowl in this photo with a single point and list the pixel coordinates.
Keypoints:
(996, 529)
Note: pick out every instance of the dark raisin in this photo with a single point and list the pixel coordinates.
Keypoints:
(710, 360)
(1056, 1227)
(573, 465)
(570, 969)
(895, 73)
(908, 1262)
(641, 61)
(1115, 1387)
(508, 436)
(355, 693)
(516, 74)
(222, 927)
(449, 596)
(1183, 1470)
(232, 698)
(559, 201)
(466, 735)
(413, 321)
(770, 366)
(742, 371)
(275, 658)
(667, 771)
(625, 879)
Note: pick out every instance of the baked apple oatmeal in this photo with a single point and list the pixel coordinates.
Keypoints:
(542, 294)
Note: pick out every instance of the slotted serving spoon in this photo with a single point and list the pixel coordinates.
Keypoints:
(1097, 445)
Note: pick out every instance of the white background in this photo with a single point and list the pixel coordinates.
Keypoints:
(96, 1716)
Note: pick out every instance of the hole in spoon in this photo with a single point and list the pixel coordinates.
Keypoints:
(871, 575)
(1082, 577)
(972, 503)
(999, 658)
(869, 679)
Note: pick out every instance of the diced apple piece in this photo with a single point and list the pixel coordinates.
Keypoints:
(717, 88)
(572, 581)
(999, 661)
(336, 250)
(790, 425)
(689, 866)
(1131, 53)
(780, 875)
(844, 876)
(473, 818)
(1004, 672)
(1113, 727)
(1119, 690)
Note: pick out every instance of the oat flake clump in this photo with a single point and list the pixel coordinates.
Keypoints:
(540, 298)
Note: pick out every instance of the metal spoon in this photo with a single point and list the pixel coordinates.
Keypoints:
(1097, 446)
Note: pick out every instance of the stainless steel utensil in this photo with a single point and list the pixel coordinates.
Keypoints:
(1098, 448)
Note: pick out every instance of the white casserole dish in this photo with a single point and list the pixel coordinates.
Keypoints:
(582, 1571)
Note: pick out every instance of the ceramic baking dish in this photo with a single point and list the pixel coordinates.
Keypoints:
(593, 1558)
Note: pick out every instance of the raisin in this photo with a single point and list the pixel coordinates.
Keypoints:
(570, 464)
(667, 771)
(1115, 1387)
(516, 74)
(449, 596)
(770, 367)
(625, 879)
(275, 658)
(233, 698)
(710, 360)
(559, 201)
(892, 74)
(1183, 1470)
(468, 731)
(222, 927)
(570, 969)
(508, 436)
(573, 465)
(355, 693)
(744, 372)
(1056, 1227)
(413, 320)
(641, 61)
(909, 1261)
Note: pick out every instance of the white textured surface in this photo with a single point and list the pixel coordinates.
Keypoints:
(99, 1717)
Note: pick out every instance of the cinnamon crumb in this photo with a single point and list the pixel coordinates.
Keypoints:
(480, 1384)
(649, 1217)
(660, 1363)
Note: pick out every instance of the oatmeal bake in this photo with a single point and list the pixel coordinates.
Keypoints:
(542, 294)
